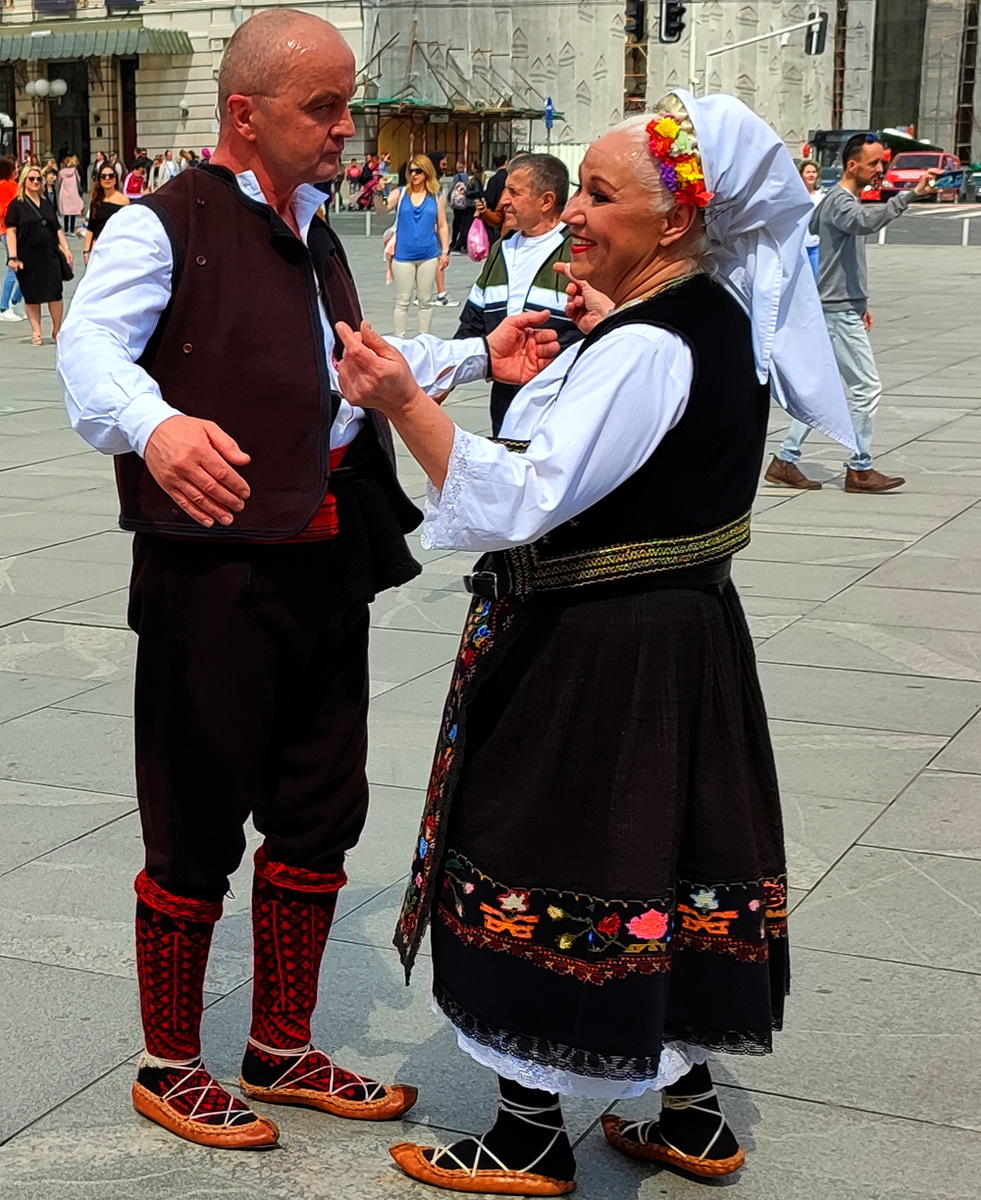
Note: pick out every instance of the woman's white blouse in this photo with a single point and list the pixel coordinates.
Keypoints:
(589, 427)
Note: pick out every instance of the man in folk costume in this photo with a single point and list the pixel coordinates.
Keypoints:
(601, 855)
(267, 515)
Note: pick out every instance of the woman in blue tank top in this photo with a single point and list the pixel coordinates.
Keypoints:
(422, 242)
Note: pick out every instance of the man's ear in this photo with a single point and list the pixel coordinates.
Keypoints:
(240, 110)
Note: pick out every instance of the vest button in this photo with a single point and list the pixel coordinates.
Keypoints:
(200, 260)
(200, 202)
(187, 347)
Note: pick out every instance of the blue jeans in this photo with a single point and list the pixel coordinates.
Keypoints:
(853, 353)
(11, 290)
(812, 258)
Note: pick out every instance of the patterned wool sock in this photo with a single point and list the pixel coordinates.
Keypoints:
(290, 925)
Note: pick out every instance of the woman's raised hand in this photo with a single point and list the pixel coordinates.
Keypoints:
(586, 306)
(519, 348)
(371, 373)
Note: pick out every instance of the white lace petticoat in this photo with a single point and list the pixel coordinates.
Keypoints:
(677, 1059)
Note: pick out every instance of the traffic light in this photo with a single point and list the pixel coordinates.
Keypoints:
(635, 20)
(672, 22)
(816, 36)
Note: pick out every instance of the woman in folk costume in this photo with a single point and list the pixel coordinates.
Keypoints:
(601, 856)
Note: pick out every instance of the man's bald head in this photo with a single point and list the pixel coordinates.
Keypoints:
(263, 52)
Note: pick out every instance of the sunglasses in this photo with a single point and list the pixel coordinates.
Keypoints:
(108, 175)
(416, 171)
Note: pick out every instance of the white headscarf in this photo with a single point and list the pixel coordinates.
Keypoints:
(756, 222)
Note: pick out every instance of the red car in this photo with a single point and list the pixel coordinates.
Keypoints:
(905, 169)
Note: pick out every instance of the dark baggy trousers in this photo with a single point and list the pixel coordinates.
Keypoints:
(251, 699)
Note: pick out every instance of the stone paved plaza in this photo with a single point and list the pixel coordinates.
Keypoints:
(867, 614)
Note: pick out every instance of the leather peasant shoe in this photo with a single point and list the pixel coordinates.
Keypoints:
(871, 481)
(660, 1152)
(308, 1078)
(184, 1099)
(788, 474)
(503, 1182)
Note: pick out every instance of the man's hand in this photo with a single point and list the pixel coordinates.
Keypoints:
(867, 321)
(372, 373)
(923, 187)
(586, 306)
(519, 349)
(193, 461)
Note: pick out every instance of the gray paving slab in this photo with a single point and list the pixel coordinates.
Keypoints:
(936, 653)
(896, 905)
(939, 813)
(797, 581)
(108, 611)
(849, 763)
(91, 751)
(932, 572)
(37, 819)
(915, 607)
(819, 551)
(81, 1024)
(85, 652)
(819, 830)
(907, 703)
(880, 1036)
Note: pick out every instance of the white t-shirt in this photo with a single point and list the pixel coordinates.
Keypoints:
(523, 257)
(813, 239)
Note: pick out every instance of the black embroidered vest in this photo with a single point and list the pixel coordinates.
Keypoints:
(689, 503)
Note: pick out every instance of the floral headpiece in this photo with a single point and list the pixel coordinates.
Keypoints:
(677, 158)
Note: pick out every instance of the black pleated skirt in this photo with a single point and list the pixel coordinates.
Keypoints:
(611, 872)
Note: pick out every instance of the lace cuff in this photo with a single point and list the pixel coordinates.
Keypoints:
(444, 522)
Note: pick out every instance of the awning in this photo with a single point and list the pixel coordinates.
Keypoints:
(90, 39)
(404, 105)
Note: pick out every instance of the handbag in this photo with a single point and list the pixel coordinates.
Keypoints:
(478, 243)
(66, 271)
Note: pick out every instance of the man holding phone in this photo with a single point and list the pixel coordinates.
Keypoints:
(842, 222)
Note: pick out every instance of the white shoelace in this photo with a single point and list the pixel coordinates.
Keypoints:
(372, 1089)
(680, 1104)
(524, 1112)
(181, 1088)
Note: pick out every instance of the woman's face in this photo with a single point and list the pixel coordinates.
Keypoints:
(108, 180)
(33, 182)
(810, 177)
(615, 232)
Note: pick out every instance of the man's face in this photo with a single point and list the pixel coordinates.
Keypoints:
(168, 156)
(867, 169)
(300, 131)
(523, 206)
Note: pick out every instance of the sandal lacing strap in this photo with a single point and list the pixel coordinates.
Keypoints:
(637, 1130)
(184, 1087)
(523, 1112)
(345, 1079)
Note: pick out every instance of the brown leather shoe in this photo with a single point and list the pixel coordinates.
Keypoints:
(871, 481)
(788, 474)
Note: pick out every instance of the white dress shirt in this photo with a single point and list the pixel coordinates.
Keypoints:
(524, 257)
(115, 405)
(589, 428)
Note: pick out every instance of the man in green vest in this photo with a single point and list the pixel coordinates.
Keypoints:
(518, 275)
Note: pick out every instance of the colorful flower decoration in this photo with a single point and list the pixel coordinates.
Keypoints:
(678, 161)
(609, 926)
(649, 926)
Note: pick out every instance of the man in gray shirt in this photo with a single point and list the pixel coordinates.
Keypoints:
(842, 222)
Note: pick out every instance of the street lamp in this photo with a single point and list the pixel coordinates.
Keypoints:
(43, 89)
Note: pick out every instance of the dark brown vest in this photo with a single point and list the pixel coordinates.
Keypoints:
(241, 344)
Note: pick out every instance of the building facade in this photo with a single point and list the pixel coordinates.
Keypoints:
(138, 72)
(473, 78)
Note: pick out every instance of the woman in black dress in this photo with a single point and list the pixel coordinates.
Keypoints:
(36, 245)
(107, 199)
(601, 855)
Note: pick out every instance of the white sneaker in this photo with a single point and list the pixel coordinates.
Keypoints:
(445, 302)
(8, 314)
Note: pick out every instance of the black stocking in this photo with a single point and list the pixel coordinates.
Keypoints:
(685, 1127)
(523, 1138)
